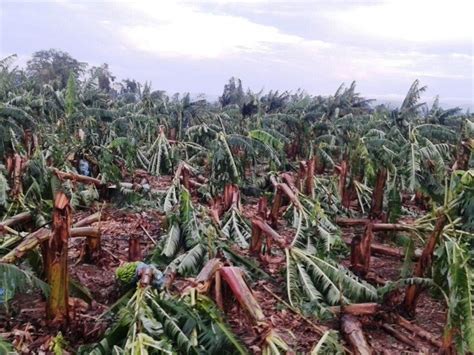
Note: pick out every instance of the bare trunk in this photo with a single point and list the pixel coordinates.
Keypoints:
(309, 183)
(357, 309)
(134, 250)
(262, 210)
(233, 277)
(92, 249)
(28, 141)
(218, 290)
(403, 338)
(377, 227)
(146, 277)
(58, 305)
(41, 236)
(173, 133)
(413, 291)
(352, 331)
(376, 206)
(9, 165)
(205, 276)
(231, 196)
(17, 188)
(185, 176)
(301, 175)
(76, 177)
(319, 165)
(360, 251)
(463, 155)
(20, 218)
(290, 181)
(275, 212)
(88, 220)
(365, 248)
(342, 178)
(256, 240)
(259, 229)
(381, 249)
(420, 332)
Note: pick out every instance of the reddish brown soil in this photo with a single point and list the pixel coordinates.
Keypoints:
(26, 327)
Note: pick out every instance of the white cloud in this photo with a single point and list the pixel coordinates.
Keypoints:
(397, 40)
(409, 20)
(179, 29)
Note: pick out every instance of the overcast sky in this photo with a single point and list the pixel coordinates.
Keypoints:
(197, 46)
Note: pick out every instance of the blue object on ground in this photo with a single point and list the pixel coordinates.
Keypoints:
(158, 277)
(84, 168)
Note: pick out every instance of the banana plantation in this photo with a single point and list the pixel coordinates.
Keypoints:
(135, 222)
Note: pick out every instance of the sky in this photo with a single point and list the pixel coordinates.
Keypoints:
(196, 46)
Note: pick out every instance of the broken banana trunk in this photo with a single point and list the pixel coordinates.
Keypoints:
(423, 264)
(361, 251)
(282, 189)
(18, 165)
(20, 218)
(352, 331)
(309, 182)
(134, 249)
(260, 230)
(233, 278)
(56, 260)
(42, 235)
(376, 205)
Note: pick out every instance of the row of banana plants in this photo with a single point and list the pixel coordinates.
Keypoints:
(381, 160)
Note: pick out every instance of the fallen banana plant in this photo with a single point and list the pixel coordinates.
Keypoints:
(161, 322)
(42, 235)
(352, 331)
(215, 276)
(20, 218)
(315, 283)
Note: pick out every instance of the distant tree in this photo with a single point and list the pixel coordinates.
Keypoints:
(233, 93)
(53, 67)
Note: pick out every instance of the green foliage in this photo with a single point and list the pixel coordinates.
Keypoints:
(58, 343)
(13, 280)
(235, 228)
(153, 322)
(330, 343)
(460, 279)
(6, 347)
(322, 283)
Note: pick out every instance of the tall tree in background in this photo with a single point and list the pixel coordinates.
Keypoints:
(53, 67)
